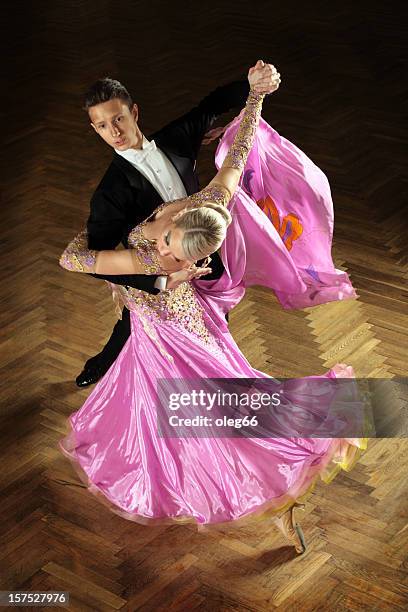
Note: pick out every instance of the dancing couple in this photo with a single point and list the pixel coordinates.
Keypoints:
(268, 213)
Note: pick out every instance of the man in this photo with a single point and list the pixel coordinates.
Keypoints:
(144, 173)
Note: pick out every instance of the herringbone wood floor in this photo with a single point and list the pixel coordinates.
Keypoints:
(340, 101)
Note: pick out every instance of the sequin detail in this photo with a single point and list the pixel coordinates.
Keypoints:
(241, 147)
(214, 193)
(144, 253)
(178, 305)
(77, 257)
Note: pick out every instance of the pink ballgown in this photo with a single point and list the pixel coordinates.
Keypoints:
(280, 237)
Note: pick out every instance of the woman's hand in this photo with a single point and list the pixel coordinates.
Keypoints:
(264, 78)
(181, 276)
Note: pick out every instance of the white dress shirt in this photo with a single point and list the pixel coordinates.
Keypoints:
(161, 173)
(157, 169)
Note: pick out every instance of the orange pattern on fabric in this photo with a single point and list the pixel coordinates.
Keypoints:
(289, 228)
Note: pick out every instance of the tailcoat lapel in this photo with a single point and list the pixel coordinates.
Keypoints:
(183, 165)
(137, 181)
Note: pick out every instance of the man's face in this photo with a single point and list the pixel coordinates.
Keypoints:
(116, 124)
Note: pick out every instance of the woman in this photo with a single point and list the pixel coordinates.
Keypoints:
(181, 334)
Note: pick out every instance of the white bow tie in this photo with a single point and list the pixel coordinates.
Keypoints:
(139, 154)
(147, 148)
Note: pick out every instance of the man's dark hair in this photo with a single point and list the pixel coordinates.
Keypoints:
(104, 90)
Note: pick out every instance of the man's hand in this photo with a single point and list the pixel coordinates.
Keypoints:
(181, 276)
(264, 78)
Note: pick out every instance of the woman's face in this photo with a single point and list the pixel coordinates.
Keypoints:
(169, 244)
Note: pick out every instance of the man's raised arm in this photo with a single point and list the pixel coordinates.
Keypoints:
(187, 132)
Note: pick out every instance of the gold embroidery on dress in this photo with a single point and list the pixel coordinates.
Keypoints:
(239, 150)
(77, 257)
(179, 305)
(214, 193)
(147, 256)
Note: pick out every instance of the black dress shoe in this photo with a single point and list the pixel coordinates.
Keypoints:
(90, 375)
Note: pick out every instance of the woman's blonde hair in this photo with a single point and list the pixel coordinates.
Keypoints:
(204, 229)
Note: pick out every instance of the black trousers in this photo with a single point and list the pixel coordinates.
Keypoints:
(116, 342)
(121, 331)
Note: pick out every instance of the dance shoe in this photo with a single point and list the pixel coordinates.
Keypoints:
(290, 529)
(91, 373)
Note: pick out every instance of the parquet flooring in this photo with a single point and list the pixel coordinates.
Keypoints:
(341, 101)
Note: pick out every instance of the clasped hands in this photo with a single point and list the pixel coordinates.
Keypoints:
(264, 78)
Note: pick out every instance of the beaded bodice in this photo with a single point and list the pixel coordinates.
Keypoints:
(145, 249)
(178, 305)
